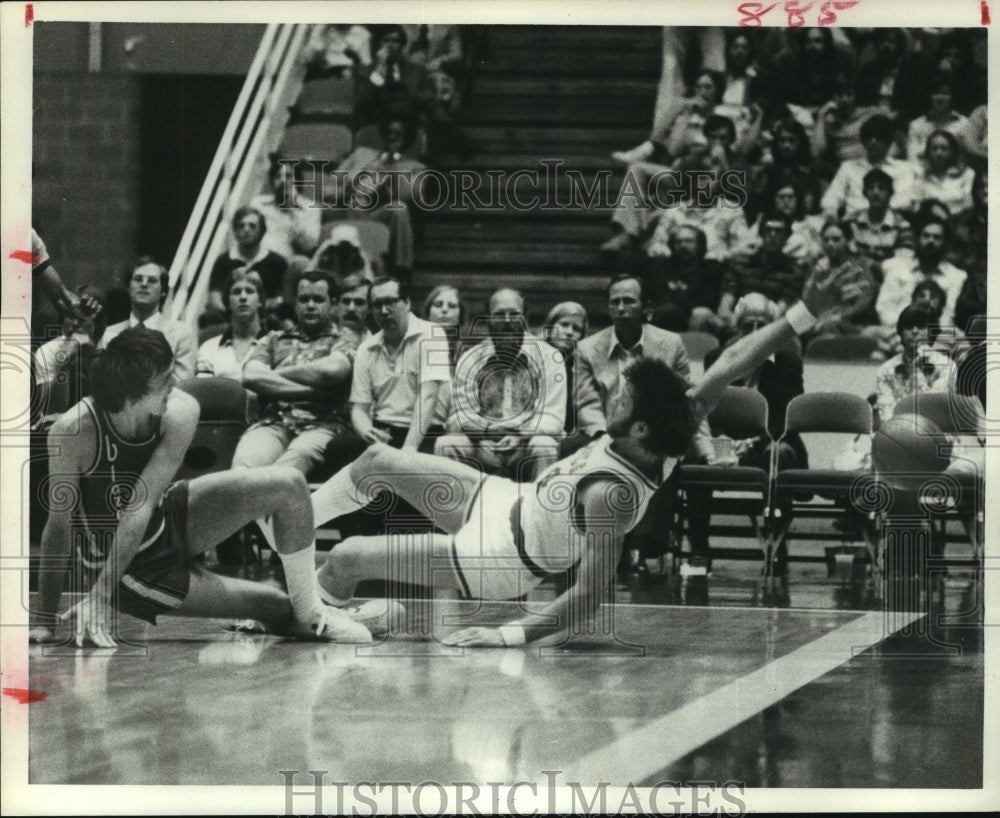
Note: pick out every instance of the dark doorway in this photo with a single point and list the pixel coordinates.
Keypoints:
(183, 118)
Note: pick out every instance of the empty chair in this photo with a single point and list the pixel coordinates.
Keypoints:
(740, 414)
(369, 137)
(841, 348)
(227, 408)
(320, 141)
(332, 98)
(793, 489)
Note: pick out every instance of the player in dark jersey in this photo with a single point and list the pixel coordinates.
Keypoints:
(113, 501)
(502, 537)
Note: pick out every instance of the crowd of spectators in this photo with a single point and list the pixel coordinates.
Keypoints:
(860, 149)
(863, 155)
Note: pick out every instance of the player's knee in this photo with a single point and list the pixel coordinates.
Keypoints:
(288, 482)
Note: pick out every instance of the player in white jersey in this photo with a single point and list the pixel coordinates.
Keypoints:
(502, 538)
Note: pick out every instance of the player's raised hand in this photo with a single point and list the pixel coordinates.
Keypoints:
(90, 621)
(833, 294)
(476, 637)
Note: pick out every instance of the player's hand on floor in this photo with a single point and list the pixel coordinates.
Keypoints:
(476, 637)
(90, 621)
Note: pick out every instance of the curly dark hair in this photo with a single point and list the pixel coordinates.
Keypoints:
(123, 370)
(659, 398)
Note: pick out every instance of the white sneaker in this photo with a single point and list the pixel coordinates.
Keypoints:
(638, 154)
(377, 615)
(333, 625)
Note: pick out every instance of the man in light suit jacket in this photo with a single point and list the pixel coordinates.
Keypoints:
(603, 358)
(147, 289)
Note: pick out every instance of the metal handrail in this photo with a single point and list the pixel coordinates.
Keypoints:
(272, 83)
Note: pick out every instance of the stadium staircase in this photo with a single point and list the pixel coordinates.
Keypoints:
(567, 93)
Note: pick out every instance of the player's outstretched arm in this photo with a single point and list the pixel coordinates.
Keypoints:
(66, 455)
(90, 618)
(572, 612)
(827, 296)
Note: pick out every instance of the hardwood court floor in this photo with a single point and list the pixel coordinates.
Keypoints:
(769, 697)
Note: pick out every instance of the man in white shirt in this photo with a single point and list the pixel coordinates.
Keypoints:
(293, 220)
(398, 373)
(147, 289)
(846, 192)
(902, 274)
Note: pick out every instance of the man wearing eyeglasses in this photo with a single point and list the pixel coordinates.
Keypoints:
(508, 407)
(398, 373)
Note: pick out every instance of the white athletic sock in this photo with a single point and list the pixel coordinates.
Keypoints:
(300, 576)
(335, 498)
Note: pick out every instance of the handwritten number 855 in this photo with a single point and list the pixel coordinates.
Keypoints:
(753, 13)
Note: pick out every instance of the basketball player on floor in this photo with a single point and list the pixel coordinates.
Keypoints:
(503, 538)
(113, 459)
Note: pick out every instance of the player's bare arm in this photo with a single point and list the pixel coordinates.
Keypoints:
(178, 425)
(596, 549)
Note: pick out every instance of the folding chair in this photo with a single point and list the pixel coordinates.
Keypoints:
(368, 136)
(698, 345)
(740, 414)
(330, 99)
(227, 408)
(794, 489)
(316, 141)
(842, 348)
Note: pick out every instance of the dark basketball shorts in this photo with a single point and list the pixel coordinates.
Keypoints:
(158, 579)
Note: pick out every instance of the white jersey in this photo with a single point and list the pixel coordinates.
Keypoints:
(550, 512)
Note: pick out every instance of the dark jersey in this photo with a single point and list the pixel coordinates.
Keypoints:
(110, 485)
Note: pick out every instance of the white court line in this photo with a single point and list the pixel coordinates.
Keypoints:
(663, 741)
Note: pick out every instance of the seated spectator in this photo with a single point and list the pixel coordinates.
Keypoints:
(225, 355)
(743, 86)
(61, 366)
(353, 311)
(249, 228)
(837, 136)
(303, 377)
(806, 73)
(846, 192)
(939, 117)
(641, 200)
(337, 50)
(944, 176)
(390, 173)
(969, 233)
(714, 209)
(147, 282)
(918, 368)
(968, 78)
(444, 307)
(877, 229)
(787, 161)
(894, 77)
(436, 47)
(564, 328)
(293, 220)
(342, 254)
(902, 274)
(778, 379)
(845, 264)
(508, 405)
(678, 44)
(803, 244)
(395, 82)
(929, 295)
(684, 288)
(688, 133)
(767, 271)
(398, 374)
